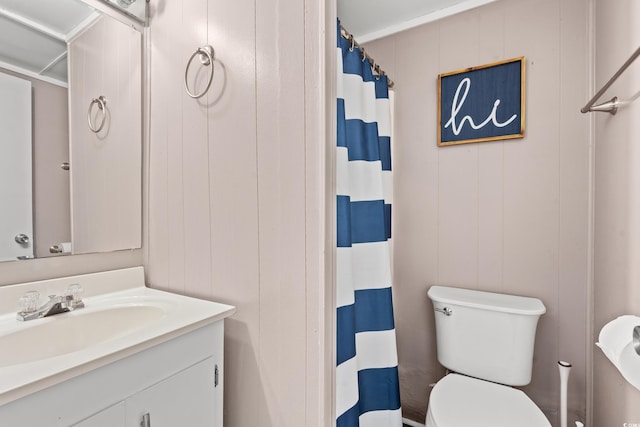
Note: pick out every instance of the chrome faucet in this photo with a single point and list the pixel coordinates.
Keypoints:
(29, 310)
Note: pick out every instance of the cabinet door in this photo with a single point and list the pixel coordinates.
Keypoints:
(186, 399)
(113, 416)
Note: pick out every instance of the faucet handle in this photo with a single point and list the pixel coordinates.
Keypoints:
(74, 295)
(29, 302)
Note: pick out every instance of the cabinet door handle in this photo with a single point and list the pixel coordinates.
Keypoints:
(146, 420)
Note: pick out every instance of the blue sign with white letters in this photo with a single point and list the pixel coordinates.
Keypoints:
(484, 103)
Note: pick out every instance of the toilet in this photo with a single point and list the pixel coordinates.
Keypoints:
(486, 341)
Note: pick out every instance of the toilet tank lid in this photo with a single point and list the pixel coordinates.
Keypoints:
(487, 300)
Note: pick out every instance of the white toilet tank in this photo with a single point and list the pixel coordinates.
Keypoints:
(486, 335)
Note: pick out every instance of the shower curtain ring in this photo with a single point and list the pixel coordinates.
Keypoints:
(353, 43)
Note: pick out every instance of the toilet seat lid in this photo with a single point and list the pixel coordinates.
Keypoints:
(457, 400)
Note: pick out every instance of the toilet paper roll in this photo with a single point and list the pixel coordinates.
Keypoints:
(616, 342)
(616, 334)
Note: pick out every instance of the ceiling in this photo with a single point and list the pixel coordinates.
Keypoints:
(368, 20)
(34, 35)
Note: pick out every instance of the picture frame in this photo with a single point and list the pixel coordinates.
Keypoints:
(482, 103)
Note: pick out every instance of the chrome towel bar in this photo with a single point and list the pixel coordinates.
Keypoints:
(610, 106)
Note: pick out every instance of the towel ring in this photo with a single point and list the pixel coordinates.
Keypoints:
(101, 101)
(206, 59)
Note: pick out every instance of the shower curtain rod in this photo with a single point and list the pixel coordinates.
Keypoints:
(376, 68)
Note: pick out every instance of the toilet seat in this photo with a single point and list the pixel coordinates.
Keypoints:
(460, 401)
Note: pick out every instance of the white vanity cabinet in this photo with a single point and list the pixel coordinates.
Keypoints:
(192, 394)
(184, 399)
(110, 417)
(175, 383)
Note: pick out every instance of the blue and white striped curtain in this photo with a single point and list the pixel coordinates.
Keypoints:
(367, 389)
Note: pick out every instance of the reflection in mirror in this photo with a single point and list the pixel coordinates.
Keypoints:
(135, 8)
(56, 57)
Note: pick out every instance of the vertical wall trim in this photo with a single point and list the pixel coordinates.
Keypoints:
(320, 18)
(331, 219)
(591, 78)
(559, 188)
(146, 140)
(209, 189)
(256, 139)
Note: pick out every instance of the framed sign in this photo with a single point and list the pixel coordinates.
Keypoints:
(484, 103)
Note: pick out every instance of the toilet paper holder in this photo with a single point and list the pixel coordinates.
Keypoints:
(61, 248)
(636, 339)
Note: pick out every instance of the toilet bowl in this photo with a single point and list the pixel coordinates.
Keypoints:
(487, 339)
(461, 401)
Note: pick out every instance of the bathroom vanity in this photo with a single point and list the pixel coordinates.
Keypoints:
(133, 356)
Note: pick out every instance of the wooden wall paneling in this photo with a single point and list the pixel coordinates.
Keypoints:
(157, 221)
(84, 77)
(415, 230)
(616, 233)
(75, 68)
(531, 209)
(177, 47)
(507, 201)
(195, 157)
(281, 195)
(233, 200)
(458, 170)
(106, 211)
(126, 82)
(320, 42)
(574, 145)
(491, 36)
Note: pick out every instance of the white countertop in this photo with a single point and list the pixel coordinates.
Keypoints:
(121, 317)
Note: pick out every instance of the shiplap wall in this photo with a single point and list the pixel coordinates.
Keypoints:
(236, 194)
(508, 216)
(106, 182)
(617, 205)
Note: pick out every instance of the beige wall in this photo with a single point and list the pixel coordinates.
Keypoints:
(236, 199)
(508, 216)
(617, 205)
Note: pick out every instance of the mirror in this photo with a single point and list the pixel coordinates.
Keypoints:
(136, 9)
(65, 188)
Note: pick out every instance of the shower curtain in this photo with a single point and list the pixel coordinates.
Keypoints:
(367, 389)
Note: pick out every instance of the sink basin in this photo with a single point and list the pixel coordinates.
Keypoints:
(121, 317)
(70, 332)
